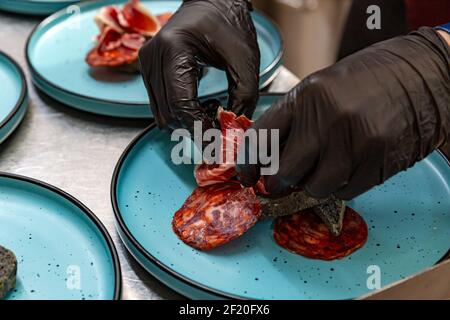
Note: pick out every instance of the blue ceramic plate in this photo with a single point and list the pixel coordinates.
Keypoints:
(35, 7)
(63, 250)
(57, 48)
(13, 96)
(408, 219)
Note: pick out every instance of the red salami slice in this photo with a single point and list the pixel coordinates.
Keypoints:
(232, 129)
(216, 214)
(305, 234)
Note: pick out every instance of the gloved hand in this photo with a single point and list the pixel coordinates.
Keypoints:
(353, 125)
(219, 33)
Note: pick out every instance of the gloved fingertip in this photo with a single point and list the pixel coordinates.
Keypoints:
(248, 175)
(210, 107)
(243, 103)
(314, 192)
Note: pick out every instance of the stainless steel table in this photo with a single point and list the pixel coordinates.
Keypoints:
(77, 152)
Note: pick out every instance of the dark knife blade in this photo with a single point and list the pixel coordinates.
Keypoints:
(330, 210)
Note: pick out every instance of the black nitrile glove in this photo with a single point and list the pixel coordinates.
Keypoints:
(219, 33)
(357, 123)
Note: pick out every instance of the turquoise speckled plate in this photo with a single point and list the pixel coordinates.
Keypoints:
(57, 48)
(13, 96)
(63, 250)
(408, 219)
(35, 7)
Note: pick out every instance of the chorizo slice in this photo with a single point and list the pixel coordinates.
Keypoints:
(216, 214)
(305, 234)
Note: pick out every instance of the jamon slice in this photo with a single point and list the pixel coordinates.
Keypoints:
(216, 214)
(232, 128)
(115, 49)
(111, 16)
(123, 31)
(305, 234)
(135, 18)
(108, 17)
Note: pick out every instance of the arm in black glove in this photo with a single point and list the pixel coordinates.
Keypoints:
(355, 124)
(219, 33)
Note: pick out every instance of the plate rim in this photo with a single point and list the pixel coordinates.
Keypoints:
(61, 12)
(47, 3)
(28, 7)
(23, 91)
(120, 223)
(112, 249)
(38, 1)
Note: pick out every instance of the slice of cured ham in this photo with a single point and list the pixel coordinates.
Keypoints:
(108, 17)
(232, 129)
(216, 214)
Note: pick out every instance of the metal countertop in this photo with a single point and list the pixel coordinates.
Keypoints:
(77, 152)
